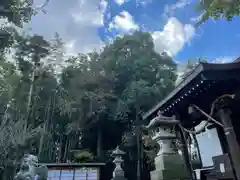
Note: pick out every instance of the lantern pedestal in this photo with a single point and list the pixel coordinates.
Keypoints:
(168, 167)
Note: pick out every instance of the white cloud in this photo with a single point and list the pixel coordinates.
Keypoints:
(124, 23)
(173, 37)
(89, 16)
(143, 2)
(90, 13)
(169, 9)
(120, 2)
(78, 21)
(69, 48)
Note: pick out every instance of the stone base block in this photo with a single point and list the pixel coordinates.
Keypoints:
(119, 178)
(169, 161)
(169, 175)
(118, 174)
(169, 167)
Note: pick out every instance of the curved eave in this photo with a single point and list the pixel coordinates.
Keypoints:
(203, 72)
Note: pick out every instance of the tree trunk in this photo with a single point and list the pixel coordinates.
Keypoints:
(66, 150)
(45, 128)
(63, 144)
(60, 149)
(29, 100)
(99, 142)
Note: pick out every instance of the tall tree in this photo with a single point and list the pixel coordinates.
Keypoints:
(139, 74)
(11, 122)
(140, 78)
(56, 60)
(87, 93)
(38, 88)
(29, 53)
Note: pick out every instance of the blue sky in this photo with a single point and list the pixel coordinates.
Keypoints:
(90, 24)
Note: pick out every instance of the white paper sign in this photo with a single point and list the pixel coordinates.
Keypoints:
(222, 168)
(197, 172)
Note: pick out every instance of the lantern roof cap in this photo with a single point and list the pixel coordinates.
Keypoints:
(162, 120)
(118, 151)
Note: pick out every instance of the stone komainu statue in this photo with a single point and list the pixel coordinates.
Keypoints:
(30, 170)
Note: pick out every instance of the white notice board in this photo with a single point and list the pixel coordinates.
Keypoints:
(74, 174)
(54, 174)
(67, 174)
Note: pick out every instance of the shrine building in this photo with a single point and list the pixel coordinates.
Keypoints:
(208, 99)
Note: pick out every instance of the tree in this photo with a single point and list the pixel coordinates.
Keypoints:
(19, 12)
(56, 60)
(38, 89)
(103, 89)
(15, 13)
(87, 95)
(139, 74)
(218, 9)
(140, 78)
(29, 53)
(12, 138)
(28, 91)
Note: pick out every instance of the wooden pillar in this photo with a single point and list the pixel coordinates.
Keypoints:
(185, 152)
(222, 139)
(233, 145)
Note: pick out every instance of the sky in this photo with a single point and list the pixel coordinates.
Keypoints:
(85, 25)
(90, 24)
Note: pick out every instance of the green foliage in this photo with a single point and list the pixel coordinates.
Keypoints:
(139, 74)
(218, 9)
(15, 12)
(105, 87)
(83, 156)
(16, 83)
(8, 81)
(94, 96)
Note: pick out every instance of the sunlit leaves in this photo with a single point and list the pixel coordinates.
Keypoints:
(218, 9)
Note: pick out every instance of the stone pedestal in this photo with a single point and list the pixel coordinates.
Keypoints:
(168, 167)
(169, 164)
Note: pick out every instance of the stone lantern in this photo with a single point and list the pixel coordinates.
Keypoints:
(118, 173)
(169, 164)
